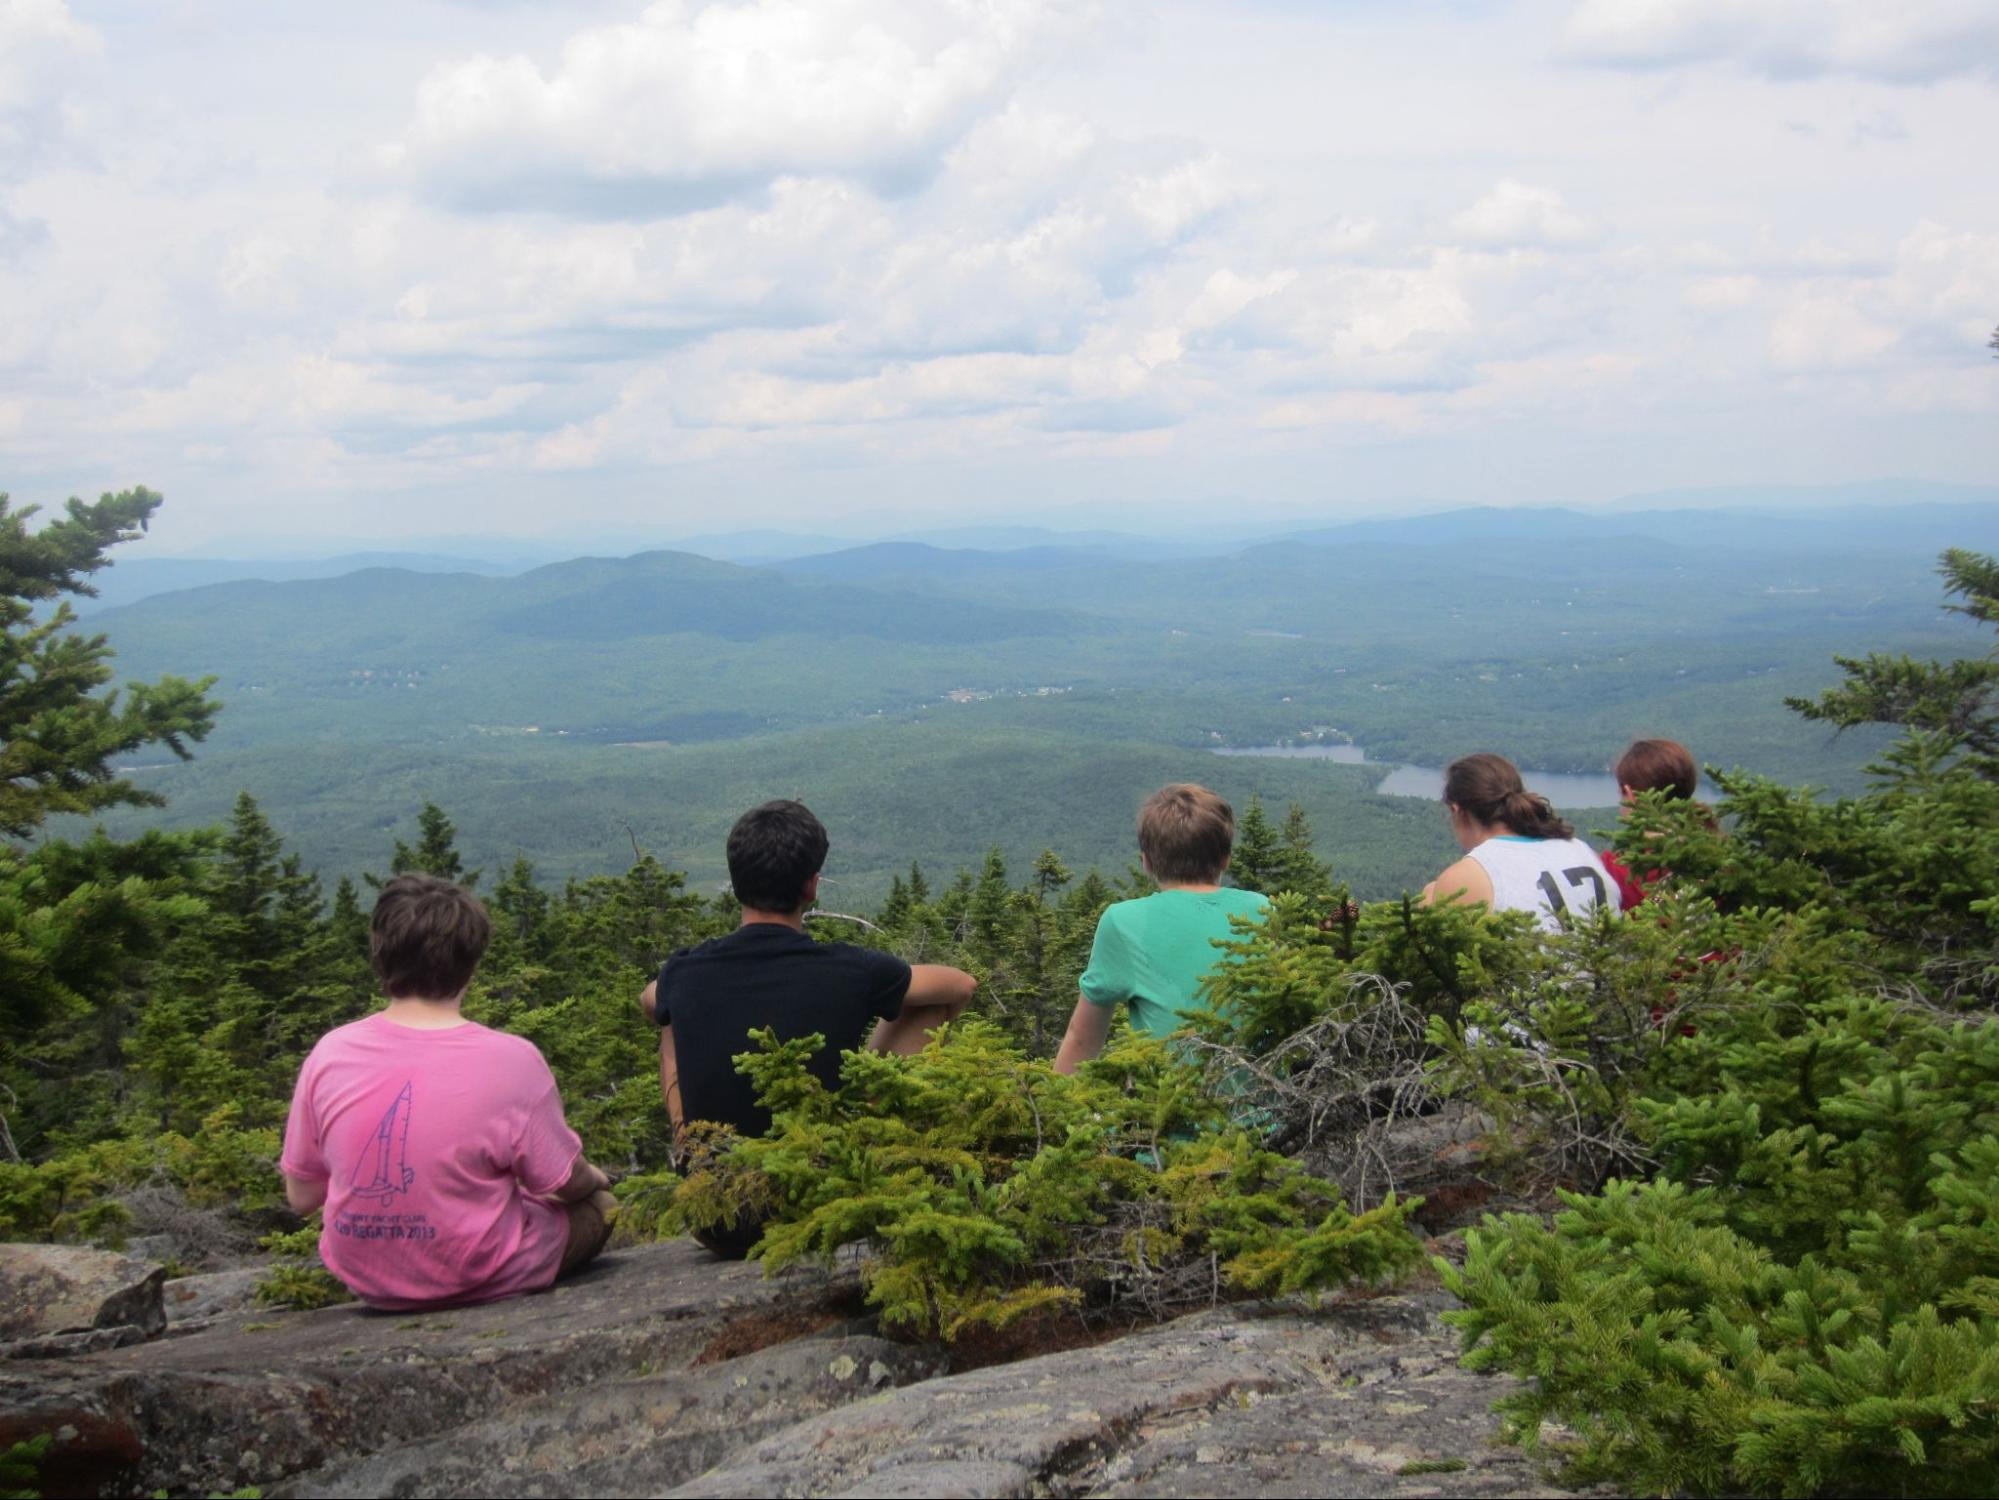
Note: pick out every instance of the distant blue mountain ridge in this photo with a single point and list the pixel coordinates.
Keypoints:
(129, 580)
(1899, 516)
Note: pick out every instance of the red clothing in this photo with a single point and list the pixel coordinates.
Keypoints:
(1630, 890)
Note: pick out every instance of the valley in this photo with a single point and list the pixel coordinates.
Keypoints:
(934, 703)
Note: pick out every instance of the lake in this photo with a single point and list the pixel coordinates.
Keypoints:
(1563, 788)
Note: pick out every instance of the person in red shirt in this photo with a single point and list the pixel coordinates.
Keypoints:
(1649, 766)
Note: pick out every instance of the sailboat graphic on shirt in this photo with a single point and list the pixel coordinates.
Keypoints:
(384, 1170)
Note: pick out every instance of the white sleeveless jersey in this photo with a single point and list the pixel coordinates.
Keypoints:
(1549, 877)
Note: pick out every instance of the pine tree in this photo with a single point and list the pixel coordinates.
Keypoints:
(1957, 700)
(349, 922)
(80, 924)
(1090, 896)
(1050, 875)
(1256, 864)
(954, 904)
(1298, 868)
(520, 910)
(266, 906)
(58, 736)
(435, 853)
(987, 912)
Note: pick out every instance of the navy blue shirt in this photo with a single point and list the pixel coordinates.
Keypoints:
(767, 974)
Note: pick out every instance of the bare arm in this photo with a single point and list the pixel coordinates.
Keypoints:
(305, 1194)
(649, 1000)
(937, 993)
(1089, 1028)
(584, 1180)
(939, 987)
(669, 1077)
(1465, 881)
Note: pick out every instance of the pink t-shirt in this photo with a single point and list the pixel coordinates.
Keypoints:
(430, 1143)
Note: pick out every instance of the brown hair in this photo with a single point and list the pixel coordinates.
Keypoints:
(1488, 787)
(426, 937)
(1658, 766)
(1185, 833)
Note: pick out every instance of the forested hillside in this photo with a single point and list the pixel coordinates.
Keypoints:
(935, 701)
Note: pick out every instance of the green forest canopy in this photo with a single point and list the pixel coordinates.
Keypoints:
(662, 693)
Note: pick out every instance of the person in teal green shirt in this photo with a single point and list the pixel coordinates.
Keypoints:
(1153, 953)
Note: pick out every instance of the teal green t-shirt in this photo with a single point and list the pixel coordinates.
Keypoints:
(1155, 952)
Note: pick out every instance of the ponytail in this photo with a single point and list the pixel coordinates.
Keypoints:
(1534, 815)
(1488, 787)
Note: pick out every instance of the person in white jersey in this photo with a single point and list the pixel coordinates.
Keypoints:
(1519, 856)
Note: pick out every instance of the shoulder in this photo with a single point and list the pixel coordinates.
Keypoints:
(339, 1041)
(516, 1050)
(1245, 901)
(701, 949)
(1119, 915)
(1470, 867)
(1468, 876)
(501, 1041)
(1480, 855)
(680, 958)
(1120, 912)
(854, 955)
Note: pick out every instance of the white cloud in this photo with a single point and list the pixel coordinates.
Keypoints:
(1170, 202)
(38, 39)
(1719, 293)
(1517, 214)
(967, 262)
(1226, 293)
(1920, 319)
(1819, 331)
(41, 46)
(692, 104)
(1375, 413)
(1904, 41)
(1944, 286)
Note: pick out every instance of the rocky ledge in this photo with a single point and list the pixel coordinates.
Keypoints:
(663, 1371)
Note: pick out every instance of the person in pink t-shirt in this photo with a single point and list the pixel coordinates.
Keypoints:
(436, 1145)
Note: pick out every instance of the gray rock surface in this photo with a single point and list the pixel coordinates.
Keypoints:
(1362, 1399)
(64, 1289)
(197, 1301)
(633, 1437)
(256, 1399)
(663, 1371)
(76, 1341)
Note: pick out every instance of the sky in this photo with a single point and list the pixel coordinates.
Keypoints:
(468, 267)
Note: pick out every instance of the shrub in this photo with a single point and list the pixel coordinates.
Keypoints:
(294, 1279)
(1686, 1357)
(988, 1186)
(72, 1196)
(21, 1467)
